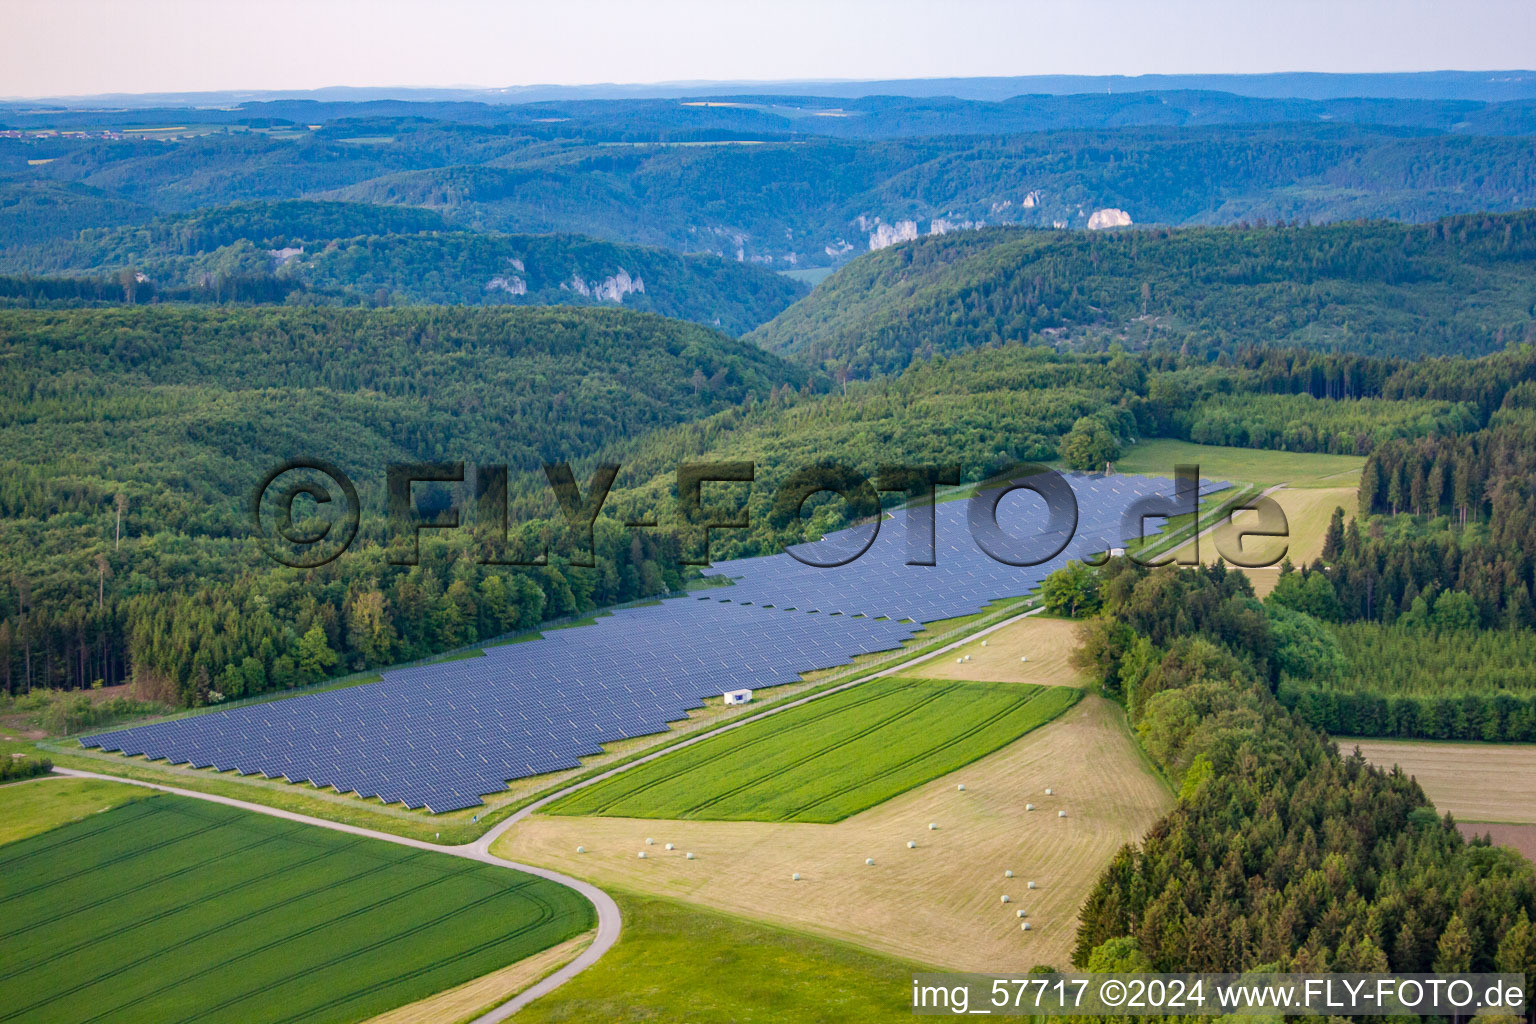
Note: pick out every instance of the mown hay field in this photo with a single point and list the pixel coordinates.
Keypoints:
(170, 910)
(1477, 782)
(938, 902)
(830, 758)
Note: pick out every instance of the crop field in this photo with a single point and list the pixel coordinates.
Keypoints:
(37, 805)
(473, 998)
(169, 910)
(1048, 644)
(826, 760)
(935, 903)
(1477, 782)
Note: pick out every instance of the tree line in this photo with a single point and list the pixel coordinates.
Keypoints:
(1281, 854)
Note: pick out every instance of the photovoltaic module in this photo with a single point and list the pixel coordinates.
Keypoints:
(442, 736)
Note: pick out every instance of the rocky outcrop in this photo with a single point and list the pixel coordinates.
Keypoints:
(1108, 218)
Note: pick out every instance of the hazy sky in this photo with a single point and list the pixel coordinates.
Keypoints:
(75, 47)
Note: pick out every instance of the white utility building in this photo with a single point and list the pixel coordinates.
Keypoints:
(737, 696)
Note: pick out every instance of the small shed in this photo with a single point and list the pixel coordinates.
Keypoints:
(737, 696)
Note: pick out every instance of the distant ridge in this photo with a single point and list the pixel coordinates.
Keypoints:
(1488, 86)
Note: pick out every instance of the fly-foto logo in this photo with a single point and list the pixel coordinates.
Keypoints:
(306, 512)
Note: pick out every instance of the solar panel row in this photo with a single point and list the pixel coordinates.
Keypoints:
(441, 736)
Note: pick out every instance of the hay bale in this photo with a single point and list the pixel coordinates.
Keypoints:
(1021, 913)
(961, 787)
(1031, 885)
(795, 877)
(1048, 791)
(581, 849)
(1061, 814)
(1007, 874)
(1029, 807)
(651, 842)
(911, 845)
(1024, 926)
(1023, 659)
(1006, 899)
(642, 855)
(967, 657)
(870, 861)
(983, 643)
(690, 856)
(933, 826)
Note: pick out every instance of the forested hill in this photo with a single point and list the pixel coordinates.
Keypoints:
(785, 202)
(1464, 285)
(337, 253)
(177, 413)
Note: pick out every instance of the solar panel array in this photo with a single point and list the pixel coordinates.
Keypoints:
(964, 578)
(441, 736)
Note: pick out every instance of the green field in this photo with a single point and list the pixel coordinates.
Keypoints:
(677, 963)
(27, 808)
(170, 910)
(831, 758)
(1246, 465)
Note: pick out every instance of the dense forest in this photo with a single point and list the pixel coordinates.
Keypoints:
(783, 201)
(1463, 285)
(176, 412)
(1281, 854)
(332, 253)
(133, 439)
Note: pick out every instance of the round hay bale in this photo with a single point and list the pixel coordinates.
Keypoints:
(581, 849)
(967, 657)
(1007, 874)
(1023, 659)
(1006, 899)
(1029, 807)
(911, 845)
(1061, 814)
(1031, 885)
(669, 846)
(961, 787)
(983, 643)
(959, 660)
(795, 877)
(651, 842)
(690, 856)
(870, 861)
(1022, 913)
(1024, 926)
(933, 826)
(642, 855)
(1048, 791)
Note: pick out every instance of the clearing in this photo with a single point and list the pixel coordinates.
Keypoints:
(203, 912)
(822, 761)
(1477, 782)
(1307, 512)
(939, 903)
(1158, 456)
